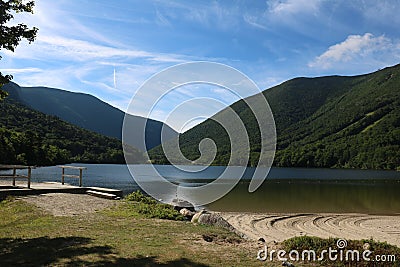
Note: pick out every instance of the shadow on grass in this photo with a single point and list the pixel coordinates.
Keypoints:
(71, 251)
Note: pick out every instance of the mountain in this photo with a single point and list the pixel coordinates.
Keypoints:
(88, 112)
(31, 137)
(335, 121)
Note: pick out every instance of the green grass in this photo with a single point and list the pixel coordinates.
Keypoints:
(118, 236)
(123, 236)
(138, 203)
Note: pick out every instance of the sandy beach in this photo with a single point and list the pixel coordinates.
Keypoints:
(272, 227)
(278, 227)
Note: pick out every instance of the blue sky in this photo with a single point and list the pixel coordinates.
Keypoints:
(81, 44)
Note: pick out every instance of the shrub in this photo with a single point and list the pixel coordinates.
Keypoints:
(140, 197)
(151, 208)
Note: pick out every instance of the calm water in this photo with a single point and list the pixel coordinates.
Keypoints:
(285, 190)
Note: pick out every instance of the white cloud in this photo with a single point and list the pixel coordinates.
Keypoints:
(67, 49)
(215, 14)
(383, 12)
(253, 21)
(356, 48)
(280, 7)
(21, 70)
(162, 20)
(283, 13)
(50, 78)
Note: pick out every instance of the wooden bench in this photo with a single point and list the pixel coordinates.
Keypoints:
(63, 175)
(14, 174)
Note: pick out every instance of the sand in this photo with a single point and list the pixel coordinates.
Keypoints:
(279, 227)
(64, 204)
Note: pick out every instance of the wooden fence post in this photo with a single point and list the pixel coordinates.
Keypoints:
(14, 175)
(80, 177)
(29, 176)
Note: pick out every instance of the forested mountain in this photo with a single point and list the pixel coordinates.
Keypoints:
(347, 122)
(88, 112)
(31, 137)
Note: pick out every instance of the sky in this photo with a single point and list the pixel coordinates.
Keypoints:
(110, 48)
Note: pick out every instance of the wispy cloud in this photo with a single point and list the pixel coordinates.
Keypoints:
(293, 7)
(215, 14)
(21, 70)
(162, 20)
(253, 21)
(357, 48)
(47, 77)
(383, 12)
(62, 48)
(283, 14)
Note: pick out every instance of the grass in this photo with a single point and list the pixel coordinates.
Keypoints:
(150, 208)
(118, 236)
(124, 236)
(317, 244)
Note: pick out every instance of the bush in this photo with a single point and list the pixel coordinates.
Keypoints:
(140, 197)
(151, 208)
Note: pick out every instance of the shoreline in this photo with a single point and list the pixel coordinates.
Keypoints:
(272, 227)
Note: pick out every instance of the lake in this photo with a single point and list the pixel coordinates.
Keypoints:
(285, 190)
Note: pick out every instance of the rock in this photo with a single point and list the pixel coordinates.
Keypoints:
(187, 213)
(287, 264)
(207, 238)
(216, 220)
(196, 216)
(180, 203)
(366, 246)
(211, 218)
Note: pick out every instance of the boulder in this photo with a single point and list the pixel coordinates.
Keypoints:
(196, 216)
(212, 218)
(187, 213)
(216, 220)
(180, 203)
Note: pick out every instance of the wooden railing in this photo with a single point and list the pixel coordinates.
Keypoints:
(14, 174)
(63, 175)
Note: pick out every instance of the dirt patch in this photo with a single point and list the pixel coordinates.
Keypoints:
(62, 204)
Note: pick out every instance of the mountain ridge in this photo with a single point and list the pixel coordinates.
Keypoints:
(83, 110)
(320, 122)
(30, 137)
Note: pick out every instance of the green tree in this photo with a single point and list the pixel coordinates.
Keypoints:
(11, 35)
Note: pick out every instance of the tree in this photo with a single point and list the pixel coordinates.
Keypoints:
(11, 35)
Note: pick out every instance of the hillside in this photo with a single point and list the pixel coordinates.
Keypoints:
(31, 137)
(84, 110)
(346, 122)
